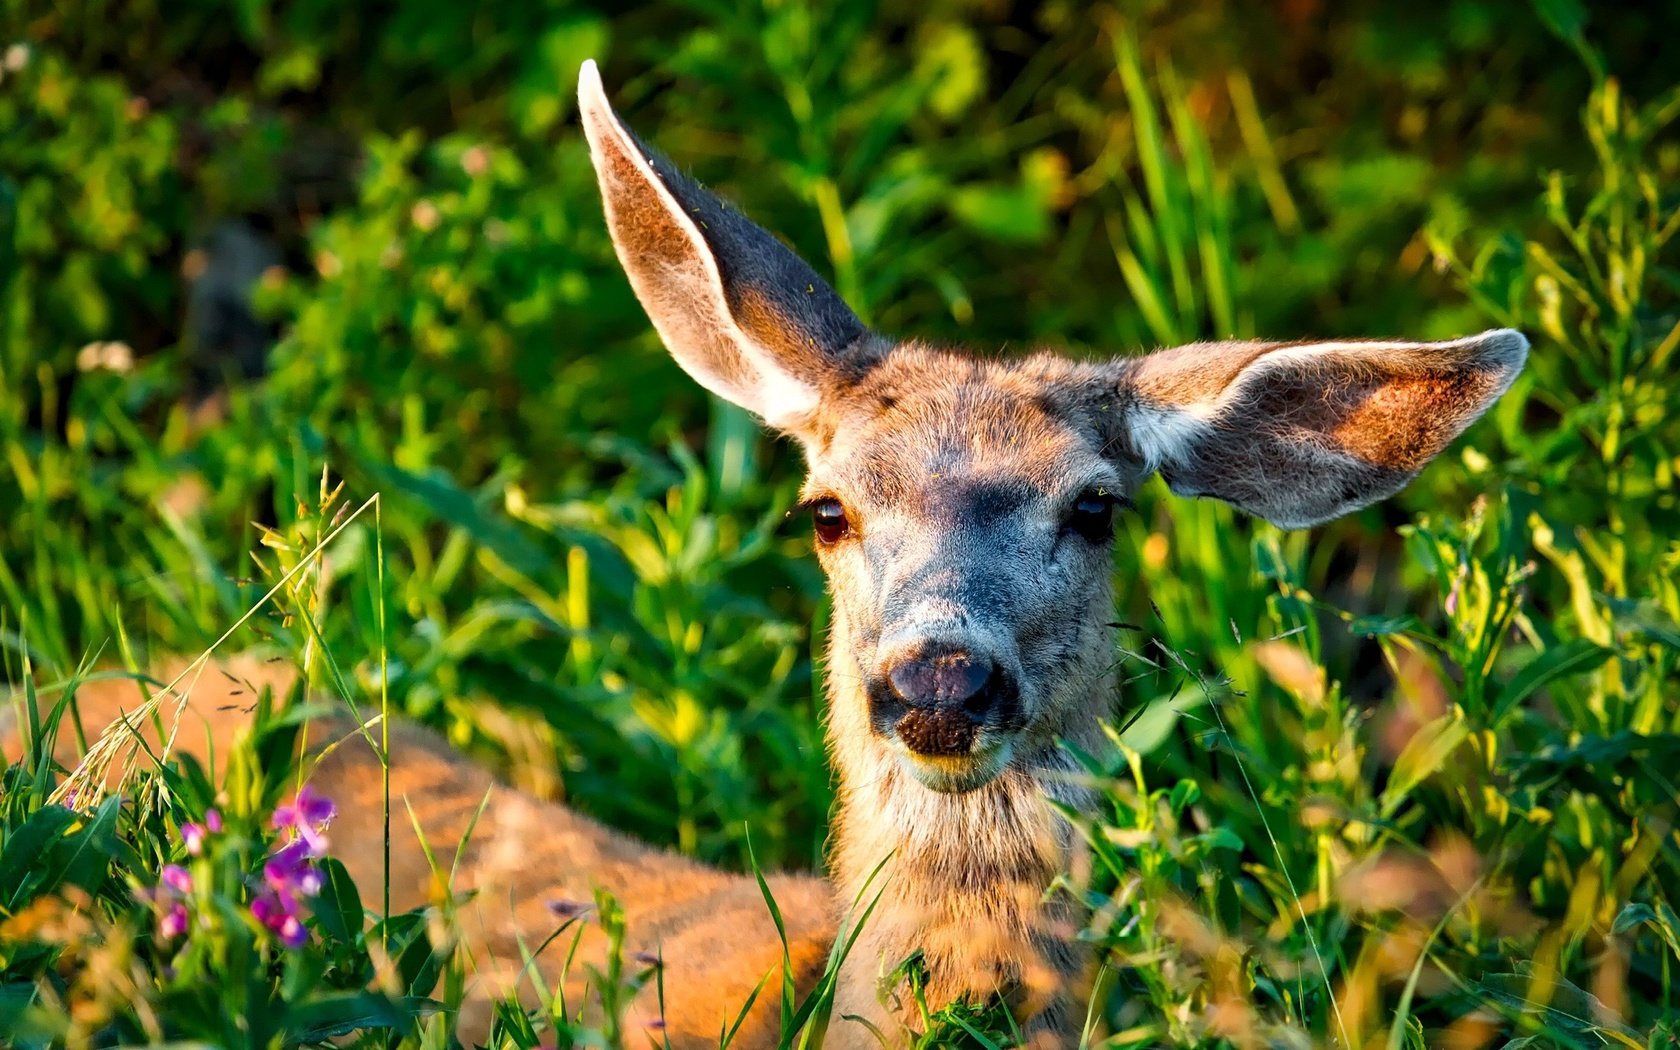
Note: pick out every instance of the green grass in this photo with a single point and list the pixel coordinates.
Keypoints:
(1405, 781)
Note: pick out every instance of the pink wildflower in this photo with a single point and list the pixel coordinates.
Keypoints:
(277, 913)
(292, 933)
(195, 834)
(289, 870)
(291, 873)
(174, 883)
(306, 817)
(176, 878)
(174, 922)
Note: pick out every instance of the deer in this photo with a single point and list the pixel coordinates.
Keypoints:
(963, 510)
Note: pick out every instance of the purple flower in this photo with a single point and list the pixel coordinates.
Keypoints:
(174, 882)
(656, 1025)
(173, 924)
(277, 912)
(306, 816)
(195, 834)
(288, 875)
(290, 870)
(176, 878)
(309, 807)
(649, 959)
(292, 934)
(266, 908)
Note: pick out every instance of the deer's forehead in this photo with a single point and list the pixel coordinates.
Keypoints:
(948, 427)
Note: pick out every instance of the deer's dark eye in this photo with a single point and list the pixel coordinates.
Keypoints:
(1092, 515)
(828, 517)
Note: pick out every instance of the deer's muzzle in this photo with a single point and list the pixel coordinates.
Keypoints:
(939, 701)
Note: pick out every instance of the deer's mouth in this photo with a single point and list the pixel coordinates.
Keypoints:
(950, 716)
(955, 774)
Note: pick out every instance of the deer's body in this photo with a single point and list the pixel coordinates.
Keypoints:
(962, 507)
(523, 857)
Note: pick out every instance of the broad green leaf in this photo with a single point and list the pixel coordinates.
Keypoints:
(338, 1015)
(1423, 756)
(338, 907)
(1572, 657)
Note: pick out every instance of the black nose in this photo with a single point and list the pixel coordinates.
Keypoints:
(936, 702)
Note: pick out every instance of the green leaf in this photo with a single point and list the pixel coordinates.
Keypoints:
(84, 856)
(1422, 757)
(1153, 726)
(953, 64)
(301, 973)
(1567, 659)
(1381, 626)
(337, 1015)
(548, 83)
(781, 933)
(26, 860)
(1223, 838)
(1597, 755)
(338, 908)
(1016, 214)
(1632, 915)
(1566, 18)
(1656, 627)
(1663, 921)
(1571, 1008)
(418, 963)
(441, 495)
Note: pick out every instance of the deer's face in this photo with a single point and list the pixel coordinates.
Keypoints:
(961, 504)
(964, 518)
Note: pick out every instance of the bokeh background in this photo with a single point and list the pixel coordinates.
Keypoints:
(244, 243)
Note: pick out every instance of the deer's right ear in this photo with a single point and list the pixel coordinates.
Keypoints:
(743, 315)
(1299, 433)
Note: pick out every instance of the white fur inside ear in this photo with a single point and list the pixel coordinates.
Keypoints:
(686, 304)
(1164, 435)
(785, 403)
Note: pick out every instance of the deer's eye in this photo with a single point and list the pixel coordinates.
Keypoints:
(828, 517)
(1092, 515)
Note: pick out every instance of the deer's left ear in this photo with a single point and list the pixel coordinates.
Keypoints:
(742, 314)
(1299, 433)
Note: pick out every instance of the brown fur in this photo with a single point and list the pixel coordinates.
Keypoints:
(522, 855)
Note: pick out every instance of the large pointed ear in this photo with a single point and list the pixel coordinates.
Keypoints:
(1299, 433)
(743, 315)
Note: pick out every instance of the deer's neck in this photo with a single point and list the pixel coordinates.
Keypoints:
(961, 878)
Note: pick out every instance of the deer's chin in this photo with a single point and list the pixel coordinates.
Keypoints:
(957, 774)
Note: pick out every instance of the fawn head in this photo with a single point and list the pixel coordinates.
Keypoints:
(962, 505)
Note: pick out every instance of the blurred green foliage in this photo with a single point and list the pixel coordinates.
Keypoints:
(573, 531)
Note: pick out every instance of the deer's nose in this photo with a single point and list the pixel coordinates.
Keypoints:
(945, 679)
(936, 702)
